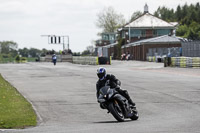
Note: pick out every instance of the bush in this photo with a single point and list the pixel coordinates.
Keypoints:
(17, 59)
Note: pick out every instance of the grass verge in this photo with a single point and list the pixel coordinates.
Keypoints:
(15, 110)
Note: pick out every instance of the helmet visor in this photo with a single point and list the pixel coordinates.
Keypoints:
(100, 75)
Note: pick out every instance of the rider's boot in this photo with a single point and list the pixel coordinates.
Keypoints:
(131, 102)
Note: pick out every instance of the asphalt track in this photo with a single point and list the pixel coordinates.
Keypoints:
(168, 99)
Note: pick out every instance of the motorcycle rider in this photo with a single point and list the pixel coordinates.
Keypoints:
(54, 58)
(113, 82)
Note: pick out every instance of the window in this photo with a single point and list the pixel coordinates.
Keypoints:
(161, 32)
(105, 37)
(154, 32)
(123, 34)
(143, 33)
(135, 33)
(112, 37)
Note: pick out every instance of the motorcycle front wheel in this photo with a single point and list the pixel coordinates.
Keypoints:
(116, 111)
(135, 114)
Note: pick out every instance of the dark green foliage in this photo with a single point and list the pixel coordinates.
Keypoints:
(32, 52)
(17, 58)
(135, 15)
(86, 52)
(118, 50)
(76, 54)
(188, 17)
(7, 46)
(165, 14)
(9, 52)
(182, 30)
(24, 52)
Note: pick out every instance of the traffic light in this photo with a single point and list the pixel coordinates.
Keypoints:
(51, 39)
(55, 39)
(59, 41)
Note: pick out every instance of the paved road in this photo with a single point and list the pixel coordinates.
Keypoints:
(168, 99)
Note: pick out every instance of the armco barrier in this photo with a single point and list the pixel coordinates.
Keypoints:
(66, 58)
(183, 62)
(60, 58)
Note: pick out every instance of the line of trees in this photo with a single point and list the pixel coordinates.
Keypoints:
(9, 51)
(188, 17)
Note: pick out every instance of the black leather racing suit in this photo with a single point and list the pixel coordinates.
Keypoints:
(114, 83)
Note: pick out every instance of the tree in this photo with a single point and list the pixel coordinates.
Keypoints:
(76, 54)
(188, 16)
(8, 46)
(33, 52)
(44, 52)
(109, 21)
(178, 13)
(24, 52)
(135, 15)
(165, 14)
(90, 48)
(182, 30)
(86, 52)
(194, 31)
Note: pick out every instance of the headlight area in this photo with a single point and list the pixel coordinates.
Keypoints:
(101, 100)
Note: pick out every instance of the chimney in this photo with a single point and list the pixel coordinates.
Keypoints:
(146, 10)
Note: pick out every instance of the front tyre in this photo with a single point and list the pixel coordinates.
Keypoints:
(135, 114)
(116, 111)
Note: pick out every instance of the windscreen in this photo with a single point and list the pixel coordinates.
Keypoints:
(104, 90)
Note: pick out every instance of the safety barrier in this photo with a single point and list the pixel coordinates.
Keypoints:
(151, 58)
(60, 58)
(91, 60)
(183, 62)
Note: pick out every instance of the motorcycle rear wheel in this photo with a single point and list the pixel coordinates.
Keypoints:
(116, 111)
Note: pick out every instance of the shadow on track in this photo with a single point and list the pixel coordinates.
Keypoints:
(112, 121)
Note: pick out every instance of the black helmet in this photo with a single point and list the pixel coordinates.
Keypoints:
(101, 72)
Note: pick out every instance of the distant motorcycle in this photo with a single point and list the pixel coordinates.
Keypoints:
(116, 104)
(54, 58)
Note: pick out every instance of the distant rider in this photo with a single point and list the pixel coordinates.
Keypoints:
(113, 83)
(54, 58)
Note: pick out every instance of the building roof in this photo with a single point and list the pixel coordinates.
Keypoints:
(149, 21)
(156, 40)
(174, 23)
(110, 45)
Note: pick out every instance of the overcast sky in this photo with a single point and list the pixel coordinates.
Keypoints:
(24, 21)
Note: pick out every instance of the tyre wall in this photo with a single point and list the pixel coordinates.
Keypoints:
(183, 62)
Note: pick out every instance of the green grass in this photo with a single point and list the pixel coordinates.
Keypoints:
(15, 110)
(31, 59)
(8, 60)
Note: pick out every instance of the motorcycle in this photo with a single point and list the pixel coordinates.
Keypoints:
(116, 104)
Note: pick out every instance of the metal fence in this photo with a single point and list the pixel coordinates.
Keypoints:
(191, 49)
(173, 52)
